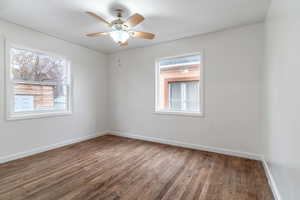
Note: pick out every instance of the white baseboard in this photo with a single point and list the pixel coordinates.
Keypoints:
(271, 181)
(46, 148)
(189, 145)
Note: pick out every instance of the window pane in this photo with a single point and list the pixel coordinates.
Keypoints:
(24, 103)
(179, 80)
(61, 100)
(180, 60)
(175, 96)
(41, 82)
(192, 96)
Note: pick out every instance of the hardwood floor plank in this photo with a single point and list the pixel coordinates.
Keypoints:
(45, 170)
(88, 172)
(149, 185)
(103, 180)
(115, 168)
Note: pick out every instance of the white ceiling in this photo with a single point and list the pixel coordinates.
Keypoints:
(168, 19)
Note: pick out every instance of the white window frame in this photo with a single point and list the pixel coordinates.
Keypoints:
(201, 87)
(10, 114)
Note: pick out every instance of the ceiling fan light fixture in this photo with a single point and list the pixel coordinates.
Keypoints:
(119, 36)
(121, 29)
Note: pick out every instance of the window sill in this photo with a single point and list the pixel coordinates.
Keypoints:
(178, 113)
(23, 116)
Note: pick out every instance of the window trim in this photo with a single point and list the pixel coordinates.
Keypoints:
(201, 88)
(9, 105)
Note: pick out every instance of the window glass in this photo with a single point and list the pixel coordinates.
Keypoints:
(175, 97)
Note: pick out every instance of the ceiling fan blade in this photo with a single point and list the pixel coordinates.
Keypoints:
(97, 34)
(144, 35)
(124, 43)
(134, 20)
(100, 19)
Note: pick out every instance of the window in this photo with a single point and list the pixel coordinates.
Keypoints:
(38, 84)
(179, 85)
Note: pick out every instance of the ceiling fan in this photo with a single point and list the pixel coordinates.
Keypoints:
(121, 28)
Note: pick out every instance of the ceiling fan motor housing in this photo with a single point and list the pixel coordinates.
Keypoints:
(119, 12)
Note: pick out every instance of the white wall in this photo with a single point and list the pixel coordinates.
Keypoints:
(282, 130)
(89, 72)
(233, 68)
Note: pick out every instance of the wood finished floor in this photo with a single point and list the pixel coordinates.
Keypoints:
(115, 168)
